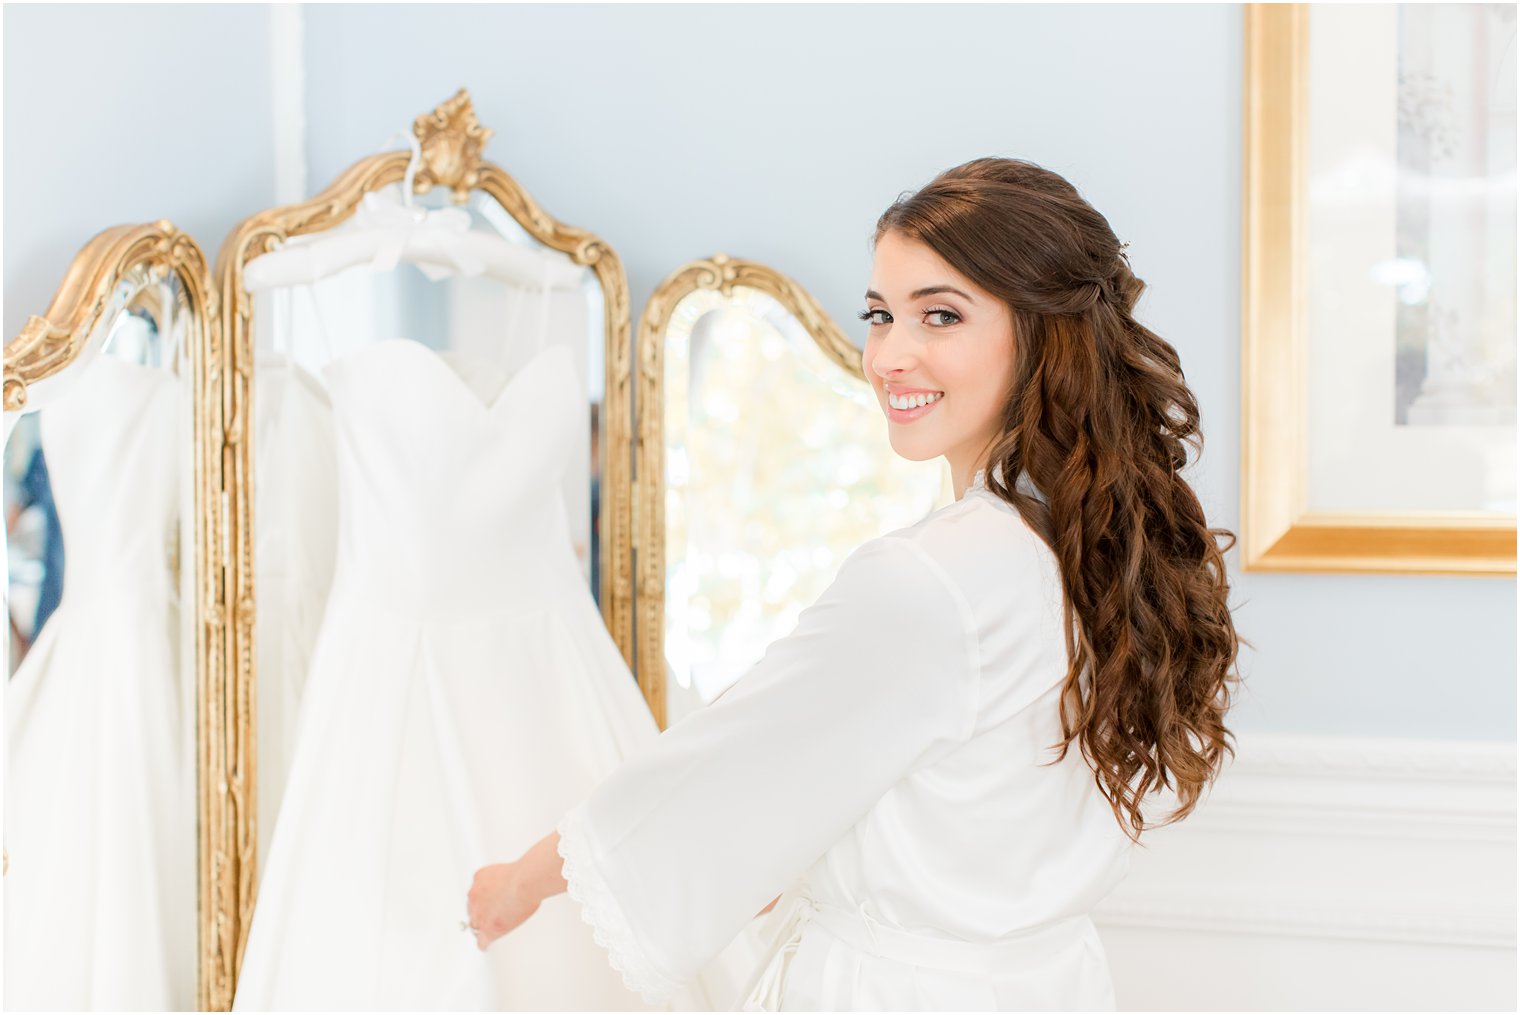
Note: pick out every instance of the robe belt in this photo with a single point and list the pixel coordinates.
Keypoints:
(858, 930)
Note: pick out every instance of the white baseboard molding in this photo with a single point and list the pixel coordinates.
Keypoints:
(1331, 919)
(1352, 851)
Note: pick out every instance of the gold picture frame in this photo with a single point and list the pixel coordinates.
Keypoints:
(1279, 532)
(721, 273)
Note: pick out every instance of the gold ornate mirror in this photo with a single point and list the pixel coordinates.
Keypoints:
(112, 419)
(458, 340)
(762, 461)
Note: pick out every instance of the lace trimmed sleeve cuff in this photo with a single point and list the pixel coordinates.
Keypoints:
(600, 908)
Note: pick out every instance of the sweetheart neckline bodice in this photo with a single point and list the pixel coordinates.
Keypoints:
(438, 364)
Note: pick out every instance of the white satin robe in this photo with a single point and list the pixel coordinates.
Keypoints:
(881, 766)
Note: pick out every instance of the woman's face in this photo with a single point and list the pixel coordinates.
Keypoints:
(939, 354)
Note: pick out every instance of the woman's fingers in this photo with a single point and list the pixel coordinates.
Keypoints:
(491, 905)
(488, 930)
(475, 902)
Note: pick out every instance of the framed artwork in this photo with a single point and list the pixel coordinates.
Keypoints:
(1378, 359)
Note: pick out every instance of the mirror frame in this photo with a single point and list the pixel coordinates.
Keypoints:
(48, 344)
(722, 273)
(452, 140)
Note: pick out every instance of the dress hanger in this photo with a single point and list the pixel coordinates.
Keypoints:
(385, 231)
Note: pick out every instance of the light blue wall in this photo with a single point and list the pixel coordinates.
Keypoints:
(121, 114)
(779, 133)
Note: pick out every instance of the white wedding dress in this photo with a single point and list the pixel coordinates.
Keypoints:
(295, 525)
(99, 781)
(463, 694)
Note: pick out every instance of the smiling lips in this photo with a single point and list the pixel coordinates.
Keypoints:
(913, 400)
(907, 406)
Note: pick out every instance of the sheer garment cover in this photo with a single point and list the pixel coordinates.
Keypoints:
(883, 760)
(296, 536)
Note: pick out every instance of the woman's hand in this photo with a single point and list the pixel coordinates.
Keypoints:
(504, 895)
(497, 905)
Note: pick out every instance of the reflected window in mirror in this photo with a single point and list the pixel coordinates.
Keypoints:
(777, 466)
(34, 539)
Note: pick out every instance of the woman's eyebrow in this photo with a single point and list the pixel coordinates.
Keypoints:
(931, 290)
(918, 294)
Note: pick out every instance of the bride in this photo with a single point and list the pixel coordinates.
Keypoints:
(899, 768)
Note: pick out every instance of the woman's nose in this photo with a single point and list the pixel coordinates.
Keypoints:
(890, 359)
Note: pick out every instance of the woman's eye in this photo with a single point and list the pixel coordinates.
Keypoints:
(875, 316)
(942, 318)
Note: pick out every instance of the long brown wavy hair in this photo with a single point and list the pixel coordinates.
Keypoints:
(1099, 417)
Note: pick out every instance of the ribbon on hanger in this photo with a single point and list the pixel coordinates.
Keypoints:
(443, 228)
(439, 234)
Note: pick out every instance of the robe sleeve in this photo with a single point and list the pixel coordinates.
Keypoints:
(679, 848)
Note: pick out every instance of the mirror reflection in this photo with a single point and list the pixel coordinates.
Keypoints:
(777, 466)
(100, 815)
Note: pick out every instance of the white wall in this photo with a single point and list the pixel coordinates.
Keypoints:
(125, 113)
(779, 133)
(1328, 874)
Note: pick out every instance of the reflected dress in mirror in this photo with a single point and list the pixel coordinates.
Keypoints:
(463, 694)
(99, 787)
